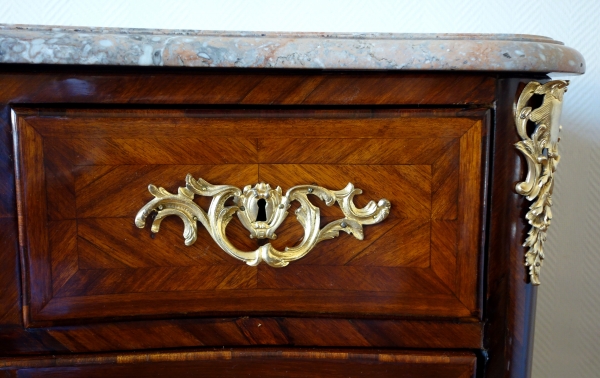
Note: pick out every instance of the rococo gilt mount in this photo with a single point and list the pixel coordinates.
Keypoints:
(541, 152)
(250, 203)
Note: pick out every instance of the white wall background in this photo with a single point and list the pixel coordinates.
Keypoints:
(567, 337)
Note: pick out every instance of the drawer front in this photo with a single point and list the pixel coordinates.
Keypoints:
(83, 175)
(257, 363)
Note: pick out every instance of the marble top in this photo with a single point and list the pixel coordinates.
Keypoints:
(364, 51)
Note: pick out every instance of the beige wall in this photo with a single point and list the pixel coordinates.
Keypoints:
(567, 330)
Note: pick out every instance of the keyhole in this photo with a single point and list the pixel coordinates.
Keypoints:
(262, 210)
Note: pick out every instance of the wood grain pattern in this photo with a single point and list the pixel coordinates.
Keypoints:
(31, 200)
(444, 186)
(245, 331)
(510, 300)
(171, 151)
(100, 200)
(444, 236)
(149, 280)
(211, 86)
(10, 295)
(406, 243)
(60, 181)
(72, 310)
(112, 243)
(175, 103)
(352, 278)
(407, 187)
(471, 191)
(170, 86)
(255, 123)
(97, 264)
(345, 247)
(415, 151)
(255, 362)
(63, 249)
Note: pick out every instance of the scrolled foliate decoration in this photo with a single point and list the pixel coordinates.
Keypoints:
(539, 147)
(274, 208)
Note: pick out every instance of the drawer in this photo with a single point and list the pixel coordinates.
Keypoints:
(83, 177)
(256, 363)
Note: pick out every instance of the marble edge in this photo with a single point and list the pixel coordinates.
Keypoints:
(271, 34)
(31, 44)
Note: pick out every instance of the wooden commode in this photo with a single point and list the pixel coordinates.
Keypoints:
(273, 205)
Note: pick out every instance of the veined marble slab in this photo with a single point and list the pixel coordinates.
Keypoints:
(371, 51)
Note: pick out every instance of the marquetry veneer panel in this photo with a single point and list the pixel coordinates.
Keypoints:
(257, 362)
(82, 176)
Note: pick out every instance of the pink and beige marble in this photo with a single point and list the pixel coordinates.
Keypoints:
(374, 51)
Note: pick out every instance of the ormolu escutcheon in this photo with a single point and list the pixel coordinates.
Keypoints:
(261, 211)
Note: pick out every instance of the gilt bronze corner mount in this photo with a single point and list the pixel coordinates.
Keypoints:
(540, 149)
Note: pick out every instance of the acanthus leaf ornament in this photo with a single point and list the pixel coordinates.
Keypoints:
(275, 210)
(540, 149)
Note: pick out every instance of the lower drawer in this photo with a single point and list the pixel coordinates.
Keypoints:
(253, 363)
